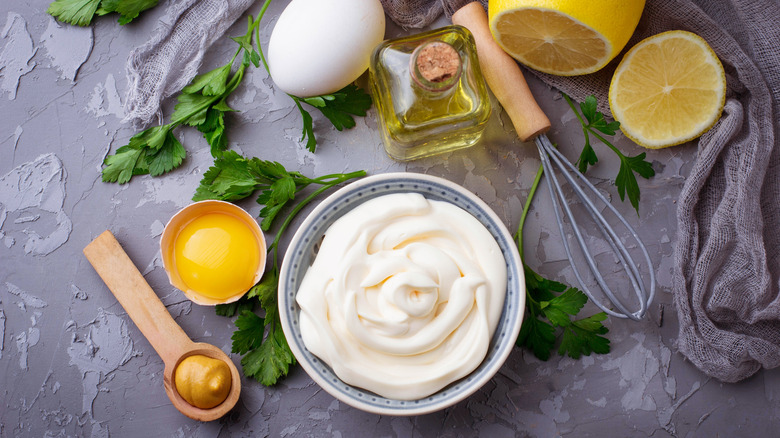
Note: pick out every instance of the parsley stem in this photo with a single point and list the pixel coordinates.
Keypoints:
(231, 85)
(519, 234)
(586, 127)
(340, 179)
(526, 208)
(603, 140)
(326, 179)
(576, 113)
(257, 35)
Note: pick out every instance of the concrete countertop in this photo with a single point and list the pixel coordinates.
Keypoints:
(73, 364)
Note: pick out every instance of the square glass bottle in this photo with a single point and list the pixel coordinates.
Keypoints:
(429, 93)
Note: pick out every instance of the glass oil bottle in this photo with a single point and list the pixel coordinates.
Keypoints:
(429, 92)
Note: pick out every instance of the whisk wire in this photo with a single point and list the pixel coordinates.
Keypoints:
(559, 205)
(612, 238)
(647, 295)
(550, 156)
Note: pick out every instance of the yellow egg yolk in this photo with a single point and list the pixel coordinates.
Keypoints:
(202, 381)
(217, 255)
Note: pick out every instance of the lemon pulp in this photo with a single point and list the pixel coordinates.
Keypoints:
(564, 37)
(202, 381)
(670, 88)
(217, 255)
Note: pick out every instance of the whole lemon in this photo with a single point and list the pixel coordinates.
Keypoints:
(564, 37)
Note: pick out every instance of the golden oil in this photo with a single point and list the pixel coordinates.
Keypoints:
(429, 92)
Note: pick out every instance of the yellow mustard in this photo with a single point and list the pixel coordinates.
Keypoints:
(202, 381)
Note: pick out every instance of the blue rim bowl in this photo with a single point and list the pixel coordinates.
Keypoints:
(302, 251)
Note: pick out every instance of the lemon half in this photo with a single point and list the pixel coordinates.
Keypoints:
(669, 89)
(564, 37)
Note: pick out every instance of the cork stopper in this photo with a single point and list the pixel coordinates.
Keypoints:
(436, 66)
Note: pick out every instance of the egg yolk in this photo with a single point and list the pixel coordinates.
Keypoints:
(202, 381)
(217, 255)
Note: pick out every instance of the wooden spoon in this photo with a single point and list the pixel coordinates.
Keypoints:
(150, 315)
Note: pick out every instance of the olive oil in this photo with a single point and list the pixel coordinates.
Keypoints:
(430, 94)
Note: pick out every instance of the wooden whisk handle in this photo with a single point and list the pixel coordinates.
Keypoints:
(503, 75)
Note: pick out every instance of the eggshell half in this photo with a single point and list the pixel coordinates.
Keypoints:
(320, 46)
(185, 216)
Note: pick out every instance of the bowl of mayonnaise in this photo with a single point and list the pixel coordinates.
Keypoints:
(402, 294)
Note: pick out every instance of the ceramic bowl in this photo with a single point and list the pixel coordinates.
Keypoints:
(302, 251)
(187, 215)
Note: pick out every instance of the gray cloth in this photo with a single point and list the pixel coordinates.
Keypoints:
(728, 237)
(172, 57)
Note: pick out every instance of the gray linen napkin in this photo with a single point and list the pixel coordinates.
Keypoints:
(172, 56)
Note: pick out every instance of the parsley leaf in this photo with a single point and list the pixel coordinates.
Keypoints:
(250, 54)
(587, 156)
(582, 337)
(229, 179)
(212, 83)
(308, 126)
(594, 123)
(596, 119)
(230, 309)
(559, 309)
(267, 356)
(249, 334)
(626, 181)
(234, 177)
(271, 360)
(340, 106)
(538, 336)
(127, 9)
(540, 288)
(213, 129)
(81, 12)
(127, 161)
(169, 156)
(75, 12)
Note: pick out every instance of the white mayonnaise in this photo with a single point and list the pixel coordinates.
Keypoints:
(403, 296)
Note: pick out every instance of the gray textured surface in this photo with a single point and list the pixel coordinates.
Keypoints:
(73, 364)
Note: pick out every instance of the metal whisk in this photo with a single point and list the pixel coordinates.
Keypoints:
(552, 157)
(508, 85)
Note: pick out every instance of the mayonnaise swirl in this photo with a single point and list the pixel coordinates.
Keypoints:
(403, 296)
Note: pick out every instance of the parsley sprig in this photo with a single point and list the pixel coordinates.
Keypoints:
(595, 123)
(201, 104)
(266, 354)
(557, 303)
(338, 107)
(81, 12)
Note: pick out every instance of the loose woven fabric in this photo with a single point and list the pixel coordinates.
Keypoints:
(728, 219)
(728, 236)
(727, 267)
(171, 58)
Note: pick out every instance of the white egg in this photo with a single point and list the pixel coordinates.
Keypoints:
(320, 46)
